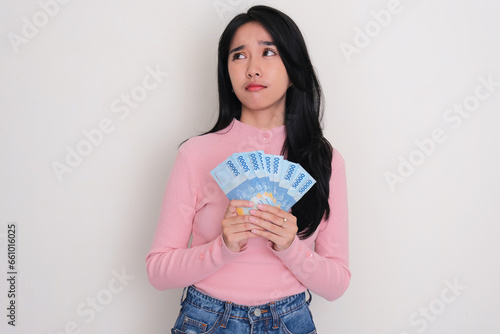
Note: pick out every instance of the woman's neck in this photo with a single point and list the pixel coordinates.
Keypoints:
(263, 120)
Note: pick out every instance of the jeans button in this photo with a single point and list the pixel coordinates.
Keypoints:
(257, 312)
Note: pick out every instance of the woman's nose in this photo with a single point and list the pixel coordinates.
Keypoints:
(254, 69)
(252, 74)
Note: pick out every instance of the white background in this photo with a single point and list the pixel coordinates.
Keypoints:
(408, 243)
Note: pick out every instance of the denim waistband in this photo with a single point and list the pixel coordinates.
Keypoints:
(272, 309)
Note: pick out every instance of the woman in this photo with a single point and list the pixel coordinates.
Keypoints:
(249, 273)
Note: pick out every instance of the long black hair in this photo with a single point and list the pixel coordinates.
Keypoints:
(305, 143)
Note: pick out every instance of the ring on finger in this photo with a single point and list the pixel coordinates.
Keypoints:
(284, 222)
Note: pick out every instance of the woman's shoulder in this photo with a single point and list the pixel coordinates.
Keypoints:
(336, 155)
(199, 145)
(338, 162)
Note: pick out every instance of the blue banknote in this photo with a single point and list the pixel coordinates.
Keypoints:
(262, 178)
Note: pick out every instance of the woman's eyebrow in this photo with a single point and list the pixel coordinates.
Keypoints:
(241, 47)
(266, 43)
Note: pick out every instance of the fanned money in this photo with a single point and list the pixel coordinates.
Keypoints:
(262, 178)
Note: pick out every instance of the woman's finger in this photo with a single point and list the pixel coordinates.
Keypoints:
(236, 230)
(278, 226)
(237, 203)
(281, 237)
(274, 215)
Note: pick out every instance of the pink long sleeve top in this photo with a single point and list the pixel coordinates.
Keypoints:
(195, 205)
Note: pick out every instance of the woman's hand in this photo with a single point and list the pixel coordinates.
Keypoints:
(236, 230)
(276, 225)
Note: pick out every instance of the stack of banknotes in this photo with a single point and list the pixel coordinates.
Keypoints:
(262, 178)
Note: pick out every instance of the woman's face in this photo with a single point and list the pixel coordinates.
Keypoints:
(257, 73)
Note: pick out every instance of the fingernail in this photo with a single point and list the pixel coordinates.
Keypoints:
(260, 206)
(251, 204)
(253, 211)
(252, 219)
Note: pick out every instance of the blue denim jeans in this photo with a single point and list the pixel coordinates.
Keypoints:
(201, 313)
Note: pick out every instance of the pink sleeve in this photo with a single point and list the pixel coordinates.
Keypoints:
(325, 271)
(170, 263)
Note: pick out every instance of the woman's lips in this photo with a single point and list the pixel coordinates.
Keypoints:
(253, 87)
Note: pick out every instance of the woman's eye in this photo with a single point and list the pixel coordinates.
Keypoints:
(238, 55)
(269, 53)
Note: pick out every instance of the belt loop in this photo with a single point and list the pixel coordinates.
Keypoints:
(227, 313)
(182, 295)
(276, 324)
(310, 297)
